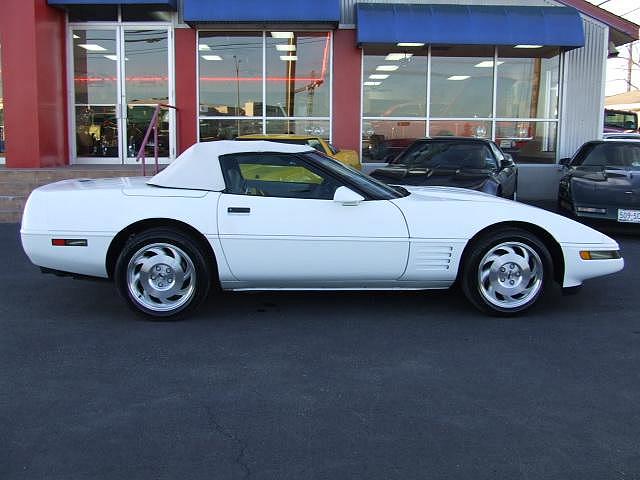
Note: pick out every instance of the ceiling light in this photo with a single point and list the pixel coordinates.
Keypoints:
(371, 84)
(92, 47)
(111, 57)
(394, 57)
(377, 76)
(212, 57)
(288, 58)
(487, 64)
(528, 46)
(203, 47)
(387, 68)
(286, 48)
(458, 77)
(76, 36)
(410, 44)
(282, 34)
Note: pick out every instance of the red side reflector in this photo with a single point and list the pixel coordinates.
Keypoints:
(69, 242)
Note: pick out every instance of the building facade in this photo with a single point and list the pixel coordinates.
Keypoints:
(81, 79)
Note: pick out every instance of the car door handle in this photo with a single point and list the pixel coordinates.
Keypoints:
(238, 210)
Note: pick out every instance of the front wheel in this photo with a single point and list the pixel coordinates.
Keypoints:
(162, 273)
(506, 271)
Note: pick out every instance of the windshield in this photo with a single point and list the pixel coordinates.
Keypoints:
(372, 187)
(611, 155)
(446, 155)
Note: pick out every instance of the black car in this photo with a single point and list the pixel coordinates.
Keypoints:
(602, 181)
(473, 163)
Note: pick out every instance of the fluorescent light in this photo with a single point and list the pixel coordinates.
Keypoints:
(76, 36)
(111, 57)
(212, 57)
(487, 64)
(394, 57)
(528, 46)
(372, 84)
(387, 68)
(410, 44)
(203, 47)
(286, 48)
(458, 77)
(282, 34)
(92, 47)
(288, 58)
(376, 76)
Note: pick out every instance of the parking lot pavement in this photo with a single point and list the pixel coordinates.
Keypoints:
(317, 386)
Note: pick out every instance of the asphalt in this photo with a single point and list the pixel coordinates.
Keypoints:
(317, 386)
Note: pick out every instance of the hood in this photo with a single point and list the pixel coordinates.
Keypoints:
(473, 179)
(619, 187)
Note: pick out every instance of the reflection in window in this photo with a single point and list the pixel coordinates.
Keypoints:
(528, 87)
(230, 74)
(460, 128)
(394, 85)
(286, 99)
(461, 87)
(528, 142)
(298, 74)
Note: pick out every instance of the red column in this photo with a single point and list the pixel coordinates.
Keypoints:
(347, 75)
(186, 85)
(34, 84)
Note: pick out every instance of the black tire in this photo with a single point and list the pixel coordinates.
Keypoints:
(188, 274)
(513, 250)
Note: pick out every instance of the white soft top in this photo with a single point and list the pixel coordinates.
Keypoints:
(198, 168)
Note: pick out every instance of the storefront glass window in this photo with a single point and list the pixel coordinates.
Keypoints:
(441, 91)
(298, 74)
(230, 74)
(292, 94)
(528, 87)
(395, 85)
(461, 87)
(2, 137)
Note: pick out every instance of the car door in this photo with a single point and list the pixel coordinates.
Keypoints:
(279, 227)
(506, 175)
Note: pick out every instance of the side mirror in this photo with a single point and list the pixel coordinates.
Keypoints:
(565, 162)
(507, 161)
(346, 196)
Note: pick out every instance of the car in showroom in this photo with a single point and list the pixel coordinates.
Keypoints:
(602, 181)
(271, 216)
(473, 163)
(348, 157)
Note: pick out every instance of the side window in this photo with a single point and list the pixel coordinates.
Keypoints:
(275, 175)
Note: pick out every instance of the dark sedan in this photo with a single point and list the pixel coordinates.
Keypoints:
(473, 163)
(603, 181)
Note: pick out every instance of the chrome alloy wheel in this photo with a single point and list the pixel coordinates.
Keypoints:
(510, 275)
(161, 277)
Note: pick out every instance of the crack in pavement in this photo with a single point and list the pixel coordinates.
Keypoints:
(242, 445)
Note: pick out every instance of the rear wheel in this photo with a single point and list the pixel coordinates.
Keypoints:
(506, 271)
(162, 273)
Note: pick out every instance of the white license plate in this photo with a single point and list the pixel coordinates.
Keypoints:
(631, 216)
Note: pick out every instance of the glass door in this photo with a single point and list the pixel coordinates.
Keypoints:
(120, 74)
(96, 95)
(145, 84)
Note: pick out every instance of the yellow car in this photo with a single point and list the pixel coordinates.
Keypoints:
(348, 157)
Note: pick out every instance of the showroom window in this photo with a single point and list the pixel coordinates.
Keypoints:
(2, 137)
(264, 82)
(504, 94)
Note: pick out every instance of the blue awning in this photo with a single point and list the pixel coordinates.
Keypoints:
(262, 11)
(173, 4)
(383, 23)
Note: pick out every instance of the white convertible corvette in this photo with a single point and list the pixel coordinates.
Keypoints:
(270, 216)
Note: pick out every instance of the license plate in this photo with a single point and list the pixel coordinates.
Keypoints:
(631, 216)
